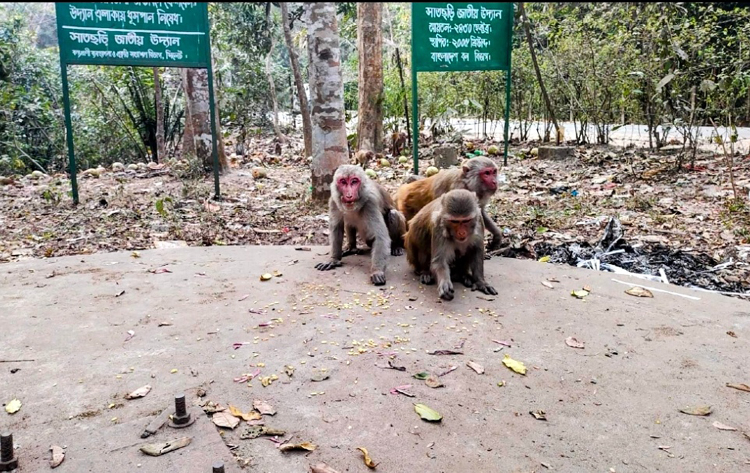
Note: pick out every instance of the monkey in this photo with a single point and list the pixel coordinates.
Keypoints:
(363, 157)
(478, 175)
(359, 204)
(445, 241)
(398, 140)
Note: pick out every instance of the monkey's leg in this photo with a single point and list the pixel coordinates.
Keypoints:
(337, 241)
(440, 268)
(396, 228)
(380, 246)
(476, 266)
(492, 228)
(351, 247)
(460, 272)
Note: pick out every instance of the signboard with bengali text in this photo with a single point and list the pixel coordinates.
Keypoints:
(461, 36)
(134, 34)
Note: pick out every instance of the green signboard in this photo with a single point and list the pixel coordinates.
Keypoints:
(134, 34)
(158, 34)
(460, 37)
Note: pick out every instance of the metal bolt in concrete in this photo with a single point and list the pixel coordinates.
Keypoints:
(8, 461)
(218, 467)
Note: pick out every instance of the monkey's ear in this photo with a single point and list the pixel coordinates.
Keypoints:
(466, 169)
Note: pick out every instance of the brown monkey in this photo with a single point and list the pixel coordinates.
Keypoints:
(478, 175)
(398, 140)
(359, 204)
(445, 241)
(363, 157)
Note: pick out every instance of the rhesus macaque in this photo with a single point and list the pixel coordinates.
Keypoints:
(359, 204)
(398, 141)
(363, 157)
(478, 175)
(445, 241)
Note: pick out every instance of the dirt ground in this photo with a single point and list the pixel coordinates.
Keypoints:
(610, 376)
(539, 202)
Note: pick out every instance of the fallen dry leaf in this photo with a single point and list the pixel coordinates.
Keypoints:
(433, 381)
(58, 455)
(140, 392)
(402, 390)
(580, 294)
(225, 419)
(266, 276)
(298, 446)
(368, 461)
(263, 407)
(13, 406)
(741, 387)
(322, 468)
(721, 426)
(639, 292)
(697, 411)
(427, 413)
(476, 367)
(573, 342)
(252, 415)
(546, 284)
(445, 352)
(156, 449)
(516, 366)
(539, 415)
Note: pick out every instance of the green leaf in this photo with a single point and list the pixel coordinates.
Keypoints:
(160, 206)
(427, 414)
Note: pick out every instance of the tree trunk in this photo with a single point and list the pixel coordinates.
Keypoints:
(195, 82)
(547, 102)
(161, 149)
(403, 91)
(272, 90)
(329, 145)
(370, 49)
(301, 95)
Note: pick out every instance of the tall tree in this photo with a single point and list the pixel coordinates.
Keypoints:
(161, 149)
(195, 83)
(271, 85)
(329, 145)
(370, 49)
(301, 94)
(547, 103)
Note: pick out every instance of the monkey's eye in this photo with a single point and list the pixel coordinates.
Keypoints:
(355, 181)
(342, 182)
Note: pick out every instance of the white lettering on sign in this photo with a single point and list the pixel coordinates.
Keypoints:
(168, 19)
(165, 40)
(468, 12)
(481, 57)
(444, 57)
(99, 38)
(446, 13)
(82, 13)
(439, 42)
(491, 14)
(130, 38)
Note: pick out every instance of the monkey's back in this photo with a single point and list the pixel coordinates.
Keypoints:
(410, 198)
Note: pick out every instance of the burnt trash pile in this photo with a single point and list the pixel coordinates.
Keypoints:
(654, 262)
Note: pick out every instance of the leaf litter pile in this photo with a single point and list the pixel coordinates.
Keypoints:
(685, 224)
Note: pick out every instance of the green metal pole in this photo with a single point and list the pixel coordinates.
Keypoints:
(212, 108)
(415, 119)
(507, 115)
(69, 131)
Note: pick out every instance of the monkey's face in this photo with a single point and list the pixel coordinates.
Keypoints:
(488, 177)
(348, 187)
(461, 228)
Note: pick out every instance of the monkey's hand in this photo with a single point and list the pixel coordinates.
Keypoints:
(426, 279)
(445, 290)
(352, 251)
(485, 288)
(494, 243)
(397, 251)
(328, 266)
(378, 278)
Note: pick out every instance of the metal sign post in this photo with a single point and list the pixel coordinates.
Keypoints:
(134, 34)
(460, 37)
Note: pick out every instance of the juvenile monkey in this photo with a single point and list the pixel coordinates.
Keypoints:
(359, 204)
(363, 157)
(398, 140)
(445, 241)
(478, 175)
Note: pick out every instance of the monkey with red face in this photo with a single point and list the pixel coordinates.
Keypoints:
(359, 204)
(445, 241)
(479, 175)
